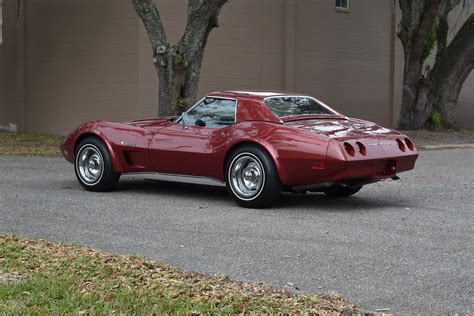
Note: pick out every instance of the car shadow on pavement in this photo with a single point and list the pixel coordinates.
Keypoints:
(358, 202)
(310, 201)
(173, 189)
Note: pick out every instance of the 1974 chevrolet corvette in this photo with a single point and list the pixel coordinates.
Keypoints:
(257, 144)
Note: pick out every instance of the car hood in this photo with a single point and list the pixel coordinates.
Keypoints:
(343, 128)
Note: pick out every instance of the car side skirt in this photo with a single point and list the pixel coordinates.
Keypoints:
(175, 178)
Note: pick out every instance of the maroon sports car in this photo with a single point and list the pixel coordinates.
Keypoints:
(257, 144)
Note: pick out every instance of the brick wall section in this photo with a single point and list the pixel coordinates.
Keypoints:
(8, 62)
(77, 61)
(465, 111)
(245, 52)
(344, 58)
(89, 60)
(81, 63)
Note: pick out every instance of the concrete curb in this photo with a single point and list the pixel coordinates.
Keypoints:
(445, 146)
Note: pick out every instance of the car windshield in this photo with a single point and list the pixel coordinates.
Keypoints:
(292, 106)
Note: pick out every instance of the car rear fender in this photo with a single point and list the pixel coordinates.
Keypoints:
(266, 146)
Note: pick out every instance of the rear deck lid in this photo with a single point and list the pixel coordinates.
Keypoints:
(341, 128)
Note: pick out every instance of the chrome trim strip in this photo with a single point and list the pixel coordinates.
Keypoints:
(176, 178)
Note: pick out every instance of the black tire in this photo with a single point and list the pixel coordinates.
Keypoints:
(106, 178)
(341, 191)
(269, 188)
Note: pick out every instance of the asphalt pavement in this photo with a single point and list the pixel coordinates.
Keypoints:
(407, 245)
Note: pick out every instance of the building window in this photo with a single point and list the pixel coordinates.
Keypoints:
(342, 5)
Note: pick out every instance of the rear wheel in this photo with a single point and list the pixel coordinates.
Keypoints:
(341, 191)
(93, 166)
(251, 177)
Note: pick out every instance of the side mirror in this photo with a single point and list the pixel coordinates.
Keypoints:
(200, 122)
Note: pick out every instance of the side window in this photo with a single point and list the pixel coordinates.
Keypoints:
(212, 113)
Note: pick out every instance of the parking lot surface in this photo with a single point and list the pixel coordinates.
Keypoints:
(407, 245)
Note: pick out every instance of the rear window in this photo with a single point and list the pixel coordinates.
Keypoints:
(291, 106)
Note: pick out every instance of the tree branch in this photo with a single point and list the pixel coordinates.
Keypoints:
(194, 6)
(458, 56)
(148, 13)
(427, 20)
(404, 27)
(451, 71)
(202, 18)
(418, 18)
(445, 7)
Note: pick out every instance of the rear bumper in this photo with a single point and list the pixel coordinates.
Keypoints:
(376, 163)
(374, 169)
(381, 158)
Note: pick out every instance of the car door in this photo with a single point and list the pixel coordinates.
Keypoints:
(195, 144)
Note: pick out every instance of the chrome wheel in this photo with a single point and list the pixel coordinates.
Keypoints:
(90, 164)
(246, 176)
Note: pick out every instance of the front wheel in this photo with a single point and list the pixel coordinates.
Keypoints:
(251, 177)
(93, 166)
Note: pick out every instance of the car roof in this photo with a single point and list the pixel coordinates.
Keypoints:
(256, 95)
(250, 100)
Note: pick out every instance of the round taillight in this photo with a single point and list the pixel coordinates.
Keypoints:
(350, 149)
(361, 148)
(401, 145)
(409, 144)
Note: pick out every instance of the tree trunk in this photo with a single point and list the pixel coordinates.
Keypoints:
(424, 24)
(179, 66)
(415, 109)
(417, 22)
(171, 80)
(451, 70)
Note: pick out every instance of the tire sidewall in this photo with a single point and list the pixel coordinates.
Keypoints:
(271, 187)
(76, 165)
(229, 170)
(109, 177)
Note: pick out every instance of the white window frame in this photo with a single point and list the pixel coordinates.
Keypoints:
(343, 9)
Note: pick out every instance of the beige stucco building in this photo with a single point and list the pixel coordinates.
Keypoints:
(63, 62)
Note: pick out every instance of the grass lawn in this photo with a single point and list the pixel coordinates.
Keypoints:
(38, 277)
(29, 144)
